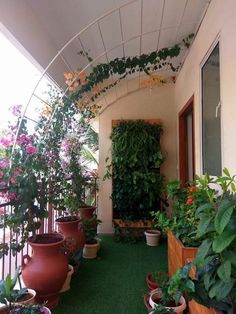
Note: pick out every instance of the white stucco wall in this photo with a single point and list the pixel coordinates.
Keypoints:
(158, 104)
(219, 21)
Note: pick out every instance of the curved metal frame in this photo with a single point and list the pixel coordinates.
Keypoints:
(104, 53)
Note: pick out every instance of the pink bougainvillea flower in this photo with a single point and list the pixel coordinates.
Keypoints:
(2, 184)
(1, 174)
(23, 139)
(17, 172)
(4, 164)
(12, 196)
(31, 150)
(5, 142)
(13, 180)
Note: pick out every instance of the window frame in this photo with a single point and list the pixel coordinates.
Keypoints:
(216, 42)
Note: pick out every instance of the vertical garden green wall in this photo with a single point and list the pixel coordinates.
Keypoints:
(136, 159)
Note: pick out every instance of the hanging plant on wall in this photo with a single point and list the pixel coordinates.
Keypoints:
(136, 159)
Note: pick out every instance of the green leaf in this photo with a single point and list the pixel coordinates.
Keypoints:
(226, 172)
(8, 286)
(203, 251)
(203, 225)
(224, 271)
(223, 216)
(220, 290)
(223, 241)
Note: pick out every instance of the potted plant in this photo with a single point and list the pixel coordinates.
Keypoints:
(170, 294)
(152, 237)
(181, 225)
(74, 185)
(156, 279)
(23, 177)
(215, 260)
(29, 309)
(13, 297)
(91, 242)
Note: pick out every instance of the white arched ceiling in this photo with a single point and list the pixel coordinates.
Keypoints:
(103, 29)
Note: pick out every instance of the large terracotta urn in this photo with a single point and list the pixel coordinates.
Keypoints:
(46, 270)
(72, 229)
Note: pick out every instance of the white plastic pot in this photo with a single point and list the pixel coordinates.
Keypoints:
(152, 237)
(156, 294)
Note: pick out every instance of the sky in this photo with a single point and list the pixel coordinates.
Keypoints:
(17, 81)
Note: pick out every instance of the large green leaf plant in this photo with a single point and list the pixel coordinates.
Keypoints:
(216, 258)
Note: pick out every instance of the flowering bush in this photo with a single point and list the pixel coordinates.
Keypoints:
(21, 181)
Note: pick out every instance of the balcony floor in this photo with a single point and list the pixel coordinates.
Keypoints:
(115, 281)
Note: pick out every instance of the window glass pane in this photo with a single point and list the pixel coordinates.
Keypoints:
(211, 126)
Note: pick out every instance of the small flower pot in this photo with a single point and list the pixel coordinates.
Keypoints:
(152, 237)
(150, 283)
(27, 299)
(90, 250)
(153, 300)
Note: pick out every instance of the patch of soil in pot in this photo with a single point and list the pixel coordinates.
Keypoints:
(46, 238)
(25, 297)
(91, 242)
(67, 219)
(171, 303)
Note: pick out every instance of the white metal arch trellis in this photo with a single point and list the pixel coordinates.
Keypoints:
(105, 53)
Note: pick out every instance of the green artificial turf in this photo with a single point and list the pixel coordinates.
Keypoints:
(114, 283)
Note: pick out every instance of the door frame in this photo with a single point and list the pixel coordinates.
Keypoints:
(183, 143)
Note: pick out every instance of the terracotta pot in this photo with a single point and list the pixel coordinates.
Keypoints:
(150, 283)
(46, 270)
(86, 212)
(152, 237)
(66, 285)
(156, 294)
(196, 308)
(4, 310)
(90, 250)
(72, 230)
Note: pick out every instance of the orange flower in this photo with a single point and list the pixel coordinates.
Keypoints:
(189, 201)
(47, 111)
(192, 189)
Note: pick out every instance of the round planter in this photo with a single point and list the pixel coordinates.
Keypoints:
(152, 237)
(66, 285)
(28, 299)
(150, 283)
(90, 250)
(86, 212)
(46, 270)
(43, 310)
(156, 295)
(72, 230)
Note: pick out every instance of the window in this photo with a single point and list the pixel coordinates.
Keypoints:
(211, 122)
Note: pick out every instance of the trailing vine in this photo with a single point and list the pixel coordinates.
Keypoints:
(80, 85)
